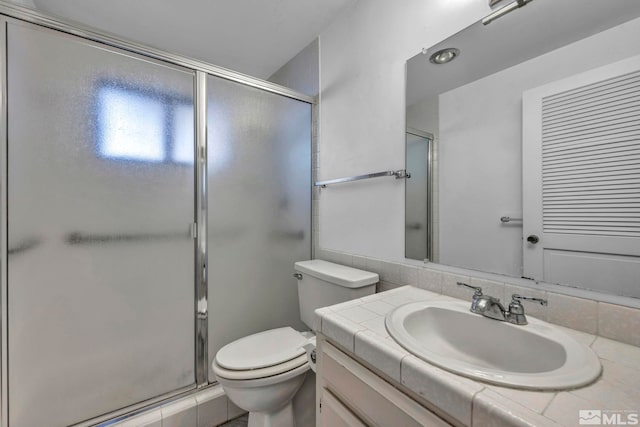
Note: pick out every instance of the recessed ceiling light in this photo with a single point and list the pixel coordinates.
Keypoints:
(444, 55)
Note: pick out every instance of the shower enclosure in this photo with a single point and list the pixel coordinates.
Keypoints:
(418, 195)
(153, 208)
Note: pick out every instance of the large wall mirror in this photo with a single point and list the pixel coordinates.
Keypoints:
(534, 168)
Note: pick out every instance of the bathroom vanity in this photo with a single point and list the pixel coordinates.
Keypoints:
(364, 378)
(353, 395)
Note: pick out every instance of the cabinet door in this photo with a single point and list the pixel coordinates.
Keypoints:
(368, 396)
(335, 414)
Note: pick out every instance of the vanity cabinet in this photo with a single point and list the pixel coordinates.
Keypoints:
(351, 395)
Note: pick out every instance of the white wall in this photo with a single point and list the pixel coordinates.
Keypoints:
(301, 73)
(425, 116)
(362, 115)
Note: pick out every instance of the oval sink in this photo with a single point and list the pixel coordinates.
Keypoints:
(536, 356)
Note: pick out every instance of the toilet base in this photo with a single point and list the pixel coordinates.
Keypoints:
(281, 418)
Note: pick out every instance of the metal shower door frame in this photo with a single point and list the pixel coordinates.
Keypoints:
(201, 69)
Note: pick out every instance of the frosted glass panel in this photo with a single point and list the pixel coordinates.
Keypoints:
(131, 125)
(101, 265)
(417, 218)
(259, 194)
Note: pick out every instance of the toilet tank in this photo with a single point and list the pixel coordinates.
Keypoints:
(324, 283)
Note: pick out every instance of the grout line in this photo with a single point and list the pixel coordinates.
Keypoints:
(547, 406)
(555, 395)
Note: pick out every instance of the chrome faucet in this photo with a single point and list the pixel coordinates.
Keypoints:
(491, 307)
(516, 309)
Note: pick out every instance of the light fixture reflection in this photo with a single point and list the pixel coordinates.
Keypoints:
(444, 55)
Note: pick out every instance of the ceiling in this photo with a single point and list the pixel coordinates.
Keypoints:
(254, 37)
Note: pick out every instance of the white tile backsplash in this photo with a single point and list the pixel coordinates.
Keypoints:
(408, 275)
(597, 318)
(451, 288)
(416, 294)
(619, 323)
(430, 280)
(389, 272)
(359, 262)
(490, 287)
(386, 286)
(572, 312)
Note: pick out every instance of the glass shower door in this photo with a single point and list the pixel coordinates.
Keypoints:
(100, 203)
(259, 209)
(418, 216)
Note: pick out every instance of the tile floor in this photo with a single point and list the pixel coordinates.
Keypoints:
(238, 422)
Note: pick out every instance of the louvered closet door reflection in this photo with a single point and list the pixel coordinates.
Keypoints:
(582, 179)
(100, 197)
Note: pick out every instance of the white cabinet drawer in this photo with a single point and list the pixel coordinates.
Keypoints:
(335, 414)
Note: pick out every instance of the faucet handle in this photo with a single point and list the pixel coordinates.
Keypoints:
(515, 298)
(516, 309)
(477, 289)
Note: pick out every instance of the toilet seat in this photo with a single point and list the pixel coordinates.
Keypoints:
(252, 374)
(261, 355)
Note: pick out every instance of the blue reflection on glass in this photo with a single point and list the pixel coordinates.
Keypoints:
(145, 126)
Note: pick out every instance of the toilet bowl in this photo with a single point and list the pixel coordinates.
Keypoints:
(261, 373)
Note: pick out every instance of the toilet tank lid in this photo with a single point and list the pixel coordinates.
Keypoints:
(342, 275)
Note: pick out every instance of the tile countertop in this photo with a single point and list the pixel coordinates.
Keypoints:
(358, 327)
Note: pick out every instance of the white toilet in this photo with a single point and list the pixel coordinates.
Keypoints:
(261, 373)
